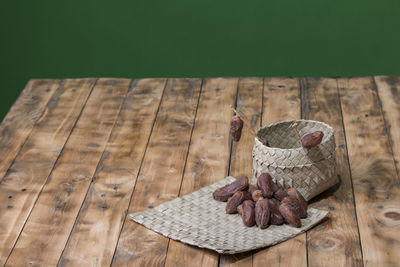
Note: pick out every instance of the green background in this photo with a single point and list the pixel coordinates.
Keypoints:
(195, 38)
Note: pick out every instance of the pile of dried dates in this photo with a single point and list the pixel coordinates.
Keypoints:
(263, 204)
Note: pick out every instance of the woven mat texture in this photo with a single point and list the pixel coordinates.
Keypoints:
(199, 220)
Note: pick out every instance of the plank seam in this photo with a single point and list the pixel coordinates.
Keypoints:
(262, 101)
(190, 138)
(62, 83)
(304, 110)
(375, 87)
(187, 154)
(138, 172)
(51, 172)
(350, 174)
(261, 120)
(131, 85)
(231, 146)
(231, 143)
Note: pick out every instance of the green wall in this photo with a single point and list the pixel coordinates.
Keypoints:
(195, 38)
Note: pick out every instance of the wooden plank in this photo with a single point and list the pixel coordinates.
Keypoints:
(20, 119)
(33, 164)
(376, 185)
(249, 102)
(389, 93)
(335, 242)
(95, 235)
(47, 229)
(282, 102)
(161, 173)
(208, 159)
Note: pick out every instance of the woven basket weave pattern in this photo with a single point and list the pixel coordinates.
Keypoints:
(311, 171)
(197, 219)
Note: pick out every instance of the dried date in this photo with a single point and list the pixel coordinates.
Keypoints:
(280, 194)
(248, 214)
(274, 204)
(234, 201)
(296, 206)
(263, 213)
(276, 217)
(312, 139)
(247, 195)
(240, 209)
(225, 192)
(274, 186)
(266, 185)
(290, 215)
(236, 128)
(256, 195)
(252, 188)
(294, 193)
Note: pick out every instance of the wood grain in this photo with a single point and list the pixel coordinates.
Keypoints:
(20, 119)
(161, 173)
(249, 102)
(51, 220)
(208, 159)
(282, 102)
(334, 242)
(389, 93)
(95, 235)
(76, 158)
(376, 186)
(32, 166)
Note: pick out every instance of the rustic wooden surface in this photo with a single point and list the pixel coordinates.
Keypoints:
(78, 155)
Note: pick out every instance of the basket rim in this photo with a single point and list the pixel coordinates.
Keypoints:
(328, 138)
(305, 165)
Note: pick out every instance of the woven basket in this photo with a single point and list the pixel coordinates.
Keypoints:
(311, 171)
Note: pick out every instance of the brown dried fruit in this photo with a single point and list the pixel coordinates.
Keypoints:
(240, 209)
(294, 193)
(247, 195)
(296, 206)
(275, 204)
(280, 194)
(234, 201)
(236, 128)
(263, 213)
(312, 139)
(248, 214)
(290, 215)
(274, 186)
(266, 185)
(276, 217)
(225, 192)
(257, 195)
(252, 188)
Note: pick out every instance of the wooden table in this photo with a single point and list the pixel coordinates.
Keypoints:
(77, 155)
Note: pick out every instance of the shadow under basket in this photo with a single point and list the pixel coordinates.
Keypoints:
(311, 171)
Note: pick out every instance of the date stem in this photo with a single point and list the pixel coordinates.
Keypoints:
(294, 126)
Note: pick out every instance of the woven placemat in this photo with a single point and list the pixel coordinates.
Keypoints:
(197, 219)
